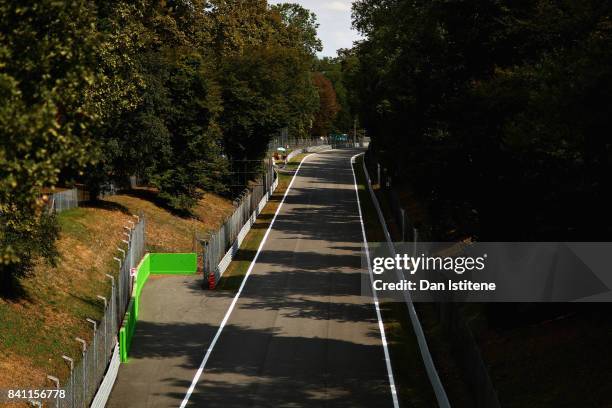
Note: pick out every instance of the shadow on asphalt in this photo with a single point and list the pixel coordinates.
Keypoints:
(280, 381)
(301, 334)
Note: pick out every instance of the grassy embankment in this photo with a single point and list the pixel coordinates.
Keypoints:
(40, 326)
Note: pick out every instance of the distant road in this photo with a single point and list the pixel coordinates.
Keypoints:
(300, 335)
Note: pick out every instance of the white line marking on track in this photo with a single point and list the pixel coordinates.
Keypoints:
(381, 325)
(209, 351)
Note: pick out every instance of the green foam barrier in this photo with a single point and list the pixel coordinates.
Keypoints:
(126, 333)
(157, 264)
(174, 264)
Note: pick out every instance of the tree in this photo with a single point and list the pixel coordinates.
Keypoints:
(96, 91)
(265, 57)
(523, 85)
(172, 138)
(264, 89)
(301, 27)
(196, 162)
(45, 121)
(328, 105)
(237, 25)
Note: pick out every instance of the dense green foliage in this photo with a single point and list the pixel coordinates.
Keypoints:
(46, 120)
(496, 113)
(170, 91)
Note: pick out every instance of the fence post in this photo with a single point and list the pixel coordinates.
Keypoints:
(57, 387)
(71, 365)
(113, 297)
(84, 344)
(205, 260)
(106, 321)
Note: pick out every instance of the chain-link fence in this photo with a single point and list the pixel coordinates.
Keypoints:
(88, 370)
(243, 172)
(284, 140)
(247, 206)
(64, 200)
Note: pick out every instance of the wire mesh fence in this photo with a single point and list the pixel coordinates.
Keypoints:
(243, 172)
(283, 140)
(216, 245)
(67, 199)
(88, 370)
(64, 200)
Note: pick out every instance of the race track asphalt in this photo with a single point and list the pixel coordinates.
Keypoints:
(301, 333)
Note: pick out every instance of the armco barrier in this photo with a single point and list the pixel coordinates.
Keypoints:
(430, 368)
(106, 387)
(156, 264)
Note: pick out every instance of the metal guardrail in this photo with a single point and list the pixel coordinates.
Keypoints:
(108, 382)
(430, 367)
(451, 318)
